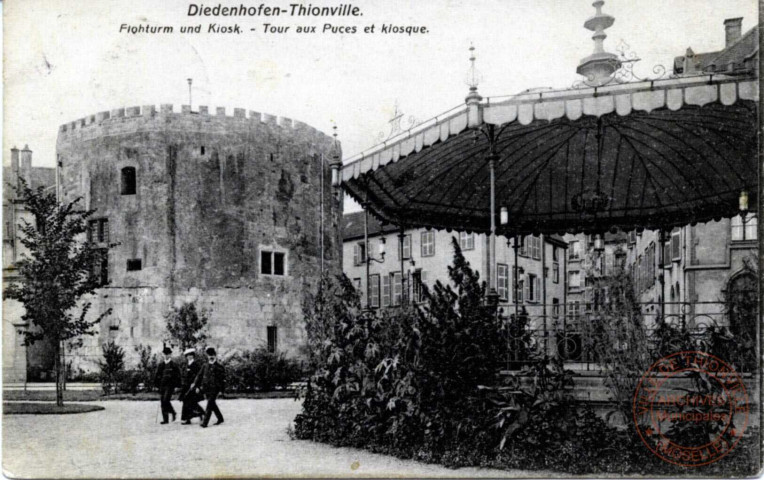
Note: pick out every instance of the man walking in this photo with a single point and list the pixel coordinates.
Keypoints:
(211, 381)
(188, 394)
(166, 379)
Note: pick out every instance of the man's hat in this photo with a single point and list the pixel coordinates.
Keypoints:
(210, 351)
(167, 350)
(189, 351)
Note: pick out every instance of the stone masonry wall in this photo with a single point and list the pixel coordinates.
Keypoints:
(212, 191)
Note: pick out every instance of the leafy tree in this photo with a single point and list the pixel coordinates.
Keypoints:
(112, 365)
(55, 274)
(187, 325)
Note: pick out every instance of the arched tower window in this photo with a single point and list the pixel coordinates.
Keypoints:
(128, 181)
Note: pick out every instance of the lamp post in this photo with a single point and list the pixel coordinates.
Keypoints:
(492, 298)
(367, 258)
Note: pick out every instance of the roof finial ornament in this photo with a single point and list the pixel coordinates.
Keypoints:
(396, 124)
(599, 67)
(473, 79)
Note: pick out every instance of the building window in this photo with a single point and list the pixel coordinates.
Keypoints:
(575, 309)
(98, 230)
(357, 285)
(555, 308)
(419, 282)
(744, 230)
(128, 181)
(201, 150)
(273, 338)
(502, 281)
(676, 245)
(374, 291)
(632, 237)
(428, 243)
(534, 247)
(404, 251)
(101, 268)
(522, 249)
(397, 282)
(386, 290)
(666, 254)
(574, 252)
(134, 264)
(520, 290)
(533, 288)
(555, 265)
(620, 261)
(272, 263)
(574, 280)
(359, 253)
(588, 298)
(467, 241)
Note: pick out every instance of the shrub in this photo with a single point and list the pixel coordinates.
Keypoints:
(420, 382)
(112, 365)
(401, 380)
(261, 370)
(146, 367)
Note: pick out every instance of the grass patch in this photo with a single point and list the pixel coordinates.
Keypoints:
(50, 395)
(47, 408)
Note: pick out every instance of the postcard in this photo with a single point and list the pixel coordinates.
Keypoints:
(381, 239)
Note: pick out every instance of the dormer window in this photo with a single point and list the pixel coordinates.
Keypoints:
(128, 181)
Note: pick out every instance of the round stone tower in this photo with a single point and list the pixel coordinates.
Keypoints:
(234, 212)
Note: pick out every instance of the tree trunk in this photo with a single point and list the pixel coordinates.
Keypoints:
(59, 382)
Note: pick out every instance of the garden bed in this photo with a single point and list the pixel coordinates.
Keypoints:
(47, 408)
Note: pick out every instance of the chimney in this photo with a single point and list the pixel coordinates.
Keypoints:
(25, 170)
(14, 163)
(732, 30)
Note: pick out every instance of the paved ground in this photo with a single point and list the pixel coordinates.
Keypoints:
(124, 441)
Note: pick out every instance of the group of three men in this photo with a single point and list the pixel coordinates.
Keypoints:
(197, 380)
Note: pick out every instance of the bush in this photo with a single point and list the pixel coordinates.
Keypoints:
(85, 377)
(146, 368)
(421, 383)
(406, 380)
(112, 365)
(132, 381)
(261, 370)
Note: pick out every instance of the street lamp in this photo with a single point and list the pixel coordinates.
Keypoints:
(599, 243)
(743, 203)
(336, 162)
(504, 216)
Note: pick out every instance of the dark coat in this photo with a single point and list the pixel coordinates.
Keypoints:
(190, 374)
(211, 378)
(167, 375)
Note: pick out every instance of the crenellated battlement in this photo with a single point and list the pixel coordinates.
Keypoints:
(148, 111)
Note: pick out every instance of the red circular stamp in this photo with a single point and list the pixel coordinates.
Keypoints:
(690, 408)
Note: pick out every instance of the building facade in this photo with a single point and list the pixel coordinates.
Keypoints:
(14, 213)
(235, 212)
(535, 287)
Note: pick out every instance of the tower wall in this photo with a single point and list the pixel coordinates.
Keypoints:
(212, 192)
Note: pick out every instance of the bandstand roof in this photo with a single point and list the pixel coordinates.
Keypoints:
(663, 152)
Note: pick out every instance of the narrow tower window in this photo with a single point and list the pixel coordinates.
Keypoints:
(128, 181)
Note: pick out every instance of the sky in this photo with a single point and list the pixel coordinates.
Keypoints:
(66, 59)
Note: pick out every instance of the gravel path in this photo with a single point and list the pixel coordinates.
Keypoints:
(124, 441)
